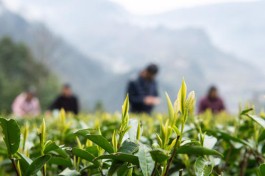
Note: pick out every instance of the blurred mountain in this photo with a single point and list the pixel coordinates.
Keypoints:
(237, 28)
(65, 60)
(111, 49)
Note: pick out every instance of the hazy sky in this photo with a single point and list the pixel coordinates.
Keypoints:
(147, 7)
(35, 9)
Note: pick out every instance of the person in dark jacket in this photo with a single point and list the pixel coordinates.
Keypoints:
(66, 101)
(143, 92)
(212, 102)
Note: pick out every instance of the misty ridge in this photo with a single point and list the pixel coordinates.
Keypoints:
(110, 46)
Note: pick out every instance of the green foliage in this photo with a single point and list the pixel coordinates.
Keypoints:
(11, 132)
(18, 71)
(37, 164)
(118, 144)
(145, 160)
(101, 142)
(203, 167)
(262, 170)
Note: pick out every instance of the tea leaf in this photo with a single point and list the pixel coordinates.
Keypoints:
(197, 150)
(11, 132)
(37, 164)
(262, 169)
(128, 147)
(159, 156)
(69, 172)
(101, 141)
(121, 157)
(203, 167)
(257, 119)
(85, 155)
(145, 159)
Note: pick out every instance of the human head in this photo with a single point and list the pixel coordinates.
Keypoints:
(150, 72)
(30, 93)
(213, 92)
(66, 90)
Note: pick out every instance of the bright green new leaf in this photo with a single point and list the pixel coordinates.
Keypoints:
(170, 107)
(37, 164)
(203, 167)
(11, 132)
(125, 107)
(190, 102)
(101, 141)
(182, 94)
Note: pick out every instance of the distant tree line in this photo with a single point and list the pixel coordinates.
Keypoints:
(19, 70)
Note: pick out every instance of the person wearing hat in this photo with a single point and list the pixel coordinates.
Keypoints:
(26, 104)
(143, 92)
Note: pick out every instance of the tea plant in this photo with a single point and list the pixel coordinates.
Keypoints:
(179, 143)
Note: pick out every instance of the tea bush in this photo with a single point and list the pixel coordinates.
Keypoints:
(179, 143)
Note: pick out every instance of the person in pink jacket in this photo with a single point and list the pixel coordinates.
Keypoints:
(26, 104)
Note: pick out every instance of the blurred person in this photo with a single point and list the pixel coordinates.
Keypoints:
(212, 102)
(143, 92)
(66, 100)
(26, 104)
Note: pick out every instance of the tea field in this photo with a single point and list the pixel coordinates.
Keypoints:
(179, 143)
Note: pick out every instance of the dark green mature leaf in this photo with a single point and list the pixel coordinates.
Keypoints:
(24, 162)
(101, 141)
(145, 159)
(159, 156)
(3, 152)
(123, 170)
(262, 169)
(121, 157)
(128, 147)
(37, 164)
(227, 137)
(203, 167)
(85, 155)
(84, 132)
(59, 161)
(262, 136)
(93, 150)
(11, 132)
(257, 119)
(69, 172)
(244, 112)
(197, 150)
(114, 167)
(51, 147)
